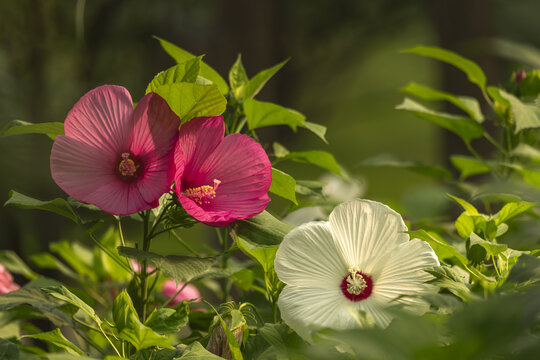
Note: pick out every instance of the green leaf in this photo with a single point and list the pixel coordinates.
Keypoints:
(255, 84)
(464, 127)
(8, 350)
(195, 351)
(283, 185)
(319, 158)
(19, 127)
(131, 329)
(468, 104)
(464, 225)
(183, 72)
(443, 250)
(263, 229)
(56, 338)
(472, 70)
(181, 55)
(264, 255)
(469, 166)
(47, 261)
(447, 278)
(74, 258)
(58, 206)
(414, 166)
(15, 264)
(243, 278)
(317, 129)
(238, 77)
(512, 209)
(233, 344)
(62, 293)
(526, 151)
(279, 150)
(526, 271)
(168, 320)
(260, 114)
(470, 209)
(525, 116)
(189, 100)
(491, 248)
(179, 268)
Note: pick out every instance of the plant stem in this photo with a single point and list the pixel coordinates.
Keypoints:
(145, 215)
(183, 243)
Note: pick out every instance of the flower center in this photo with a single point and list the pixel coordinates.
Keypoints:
(203, 194)
(128, 167)
(356, 285)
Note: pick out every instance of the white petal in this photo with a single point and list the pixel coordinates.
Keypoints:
(308, 257)
(307, 309)
(365, 230)
(402, 272)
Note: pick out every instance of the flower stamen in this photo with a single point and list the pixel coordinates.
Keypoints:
(203, 194)
(128, 167)
(356, 285)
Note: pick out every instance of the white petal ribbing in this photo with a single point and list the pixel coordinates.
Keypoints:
(365, 229)
(308, 257)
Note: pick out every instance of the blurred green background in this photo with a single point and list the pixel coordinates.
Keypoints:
(345, 73)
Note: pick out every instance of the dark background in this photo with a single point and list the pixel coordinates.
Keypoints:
(345, 73)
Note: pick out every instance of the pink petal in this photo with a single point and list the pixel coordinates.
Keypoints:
(208, 217)
(156, 178)
(88, 175)
(198, 139)
(155, 129)
(102, 118)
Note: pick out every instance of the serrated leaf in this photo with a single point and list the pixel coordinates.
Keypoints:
(56, 338)
(471, 69)
(262, 229)
(180, 55)
(255, 84)
(512, 209)
(15, 264)
(131, 329)
(283, 185)
(58, 206)
(189, 100)
(414, 166)
(469, 166)
(19, 127)
(525, 116)
(464, 127)
(468, 104)
(179, 268)
(322, 159)
(187, 71)
(238, 77)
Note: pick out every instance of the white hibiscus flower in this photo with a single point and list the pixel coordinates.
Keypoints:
(360, 260)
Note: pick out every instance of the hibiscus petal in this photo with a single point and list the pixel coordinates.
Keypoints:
(87, 174)
(157, 177)
(402, 272)
(155, 129)
(102, 118)
(212, 218)
(308, 257)
(366, 230)
(198, 139)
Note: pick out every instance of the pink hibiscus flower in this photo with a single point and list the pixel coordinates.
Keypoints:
(114, 157)
(6, 281)
(220, 179)
(170, 288)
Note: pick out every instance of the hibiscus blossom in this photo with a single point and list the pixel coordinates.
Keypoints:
(114, 157)
(220, 179)
(6, 281)
(360, 260)
(171, 287)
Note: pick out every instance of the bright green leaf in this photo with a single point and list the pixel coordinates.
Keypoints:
(322, 159)
(179, 268)
(491, 248)
(260, 114)
(195, 351)
(56, 338)
(264, 255)
(262, 229)
(468, 104)
(19, 127)
(464, 225)
(317, 129)
(525, 116)
(279, 150)
(62, 293)
(181, 55)
(255, 84)
(526, 151)
(238, 77)
(470, 209)
(512, 209)
(469, 166)
(446, 277)
(189, 100)
(283, 185)
(74, 258)
(183, 72)
(58, 206)
(472, 70)
(466, 128)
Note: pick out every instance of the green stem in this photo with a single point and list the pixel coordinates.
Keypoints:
(494, 143)
(183, 243)
(145, 215)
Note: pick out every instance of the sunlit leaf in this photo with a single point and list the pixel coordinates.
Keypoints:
(238, 77)
(466, 128)
(62, 293)
(322, 159)
(58, 206)
(471, 69)
(491, 248)
(19, 127)
(263, 254)
(512, 209)
(283, 185)
(469, 166)
(525, 115)
(255, 84)
(58, 339)
(262, 229)
(195, 351)
(469, 208)
(183, 72)
(168, 320)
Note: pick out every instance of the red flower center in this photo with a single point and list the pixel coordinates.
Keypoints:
(356, 285)
(202, 195)
(128, 167)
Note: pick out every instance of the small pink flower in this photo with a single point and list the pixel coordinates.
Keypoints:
(114, 157)
(137, 267)
(520, 75)
(6, 281)
(220, 179)
(170, 288)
